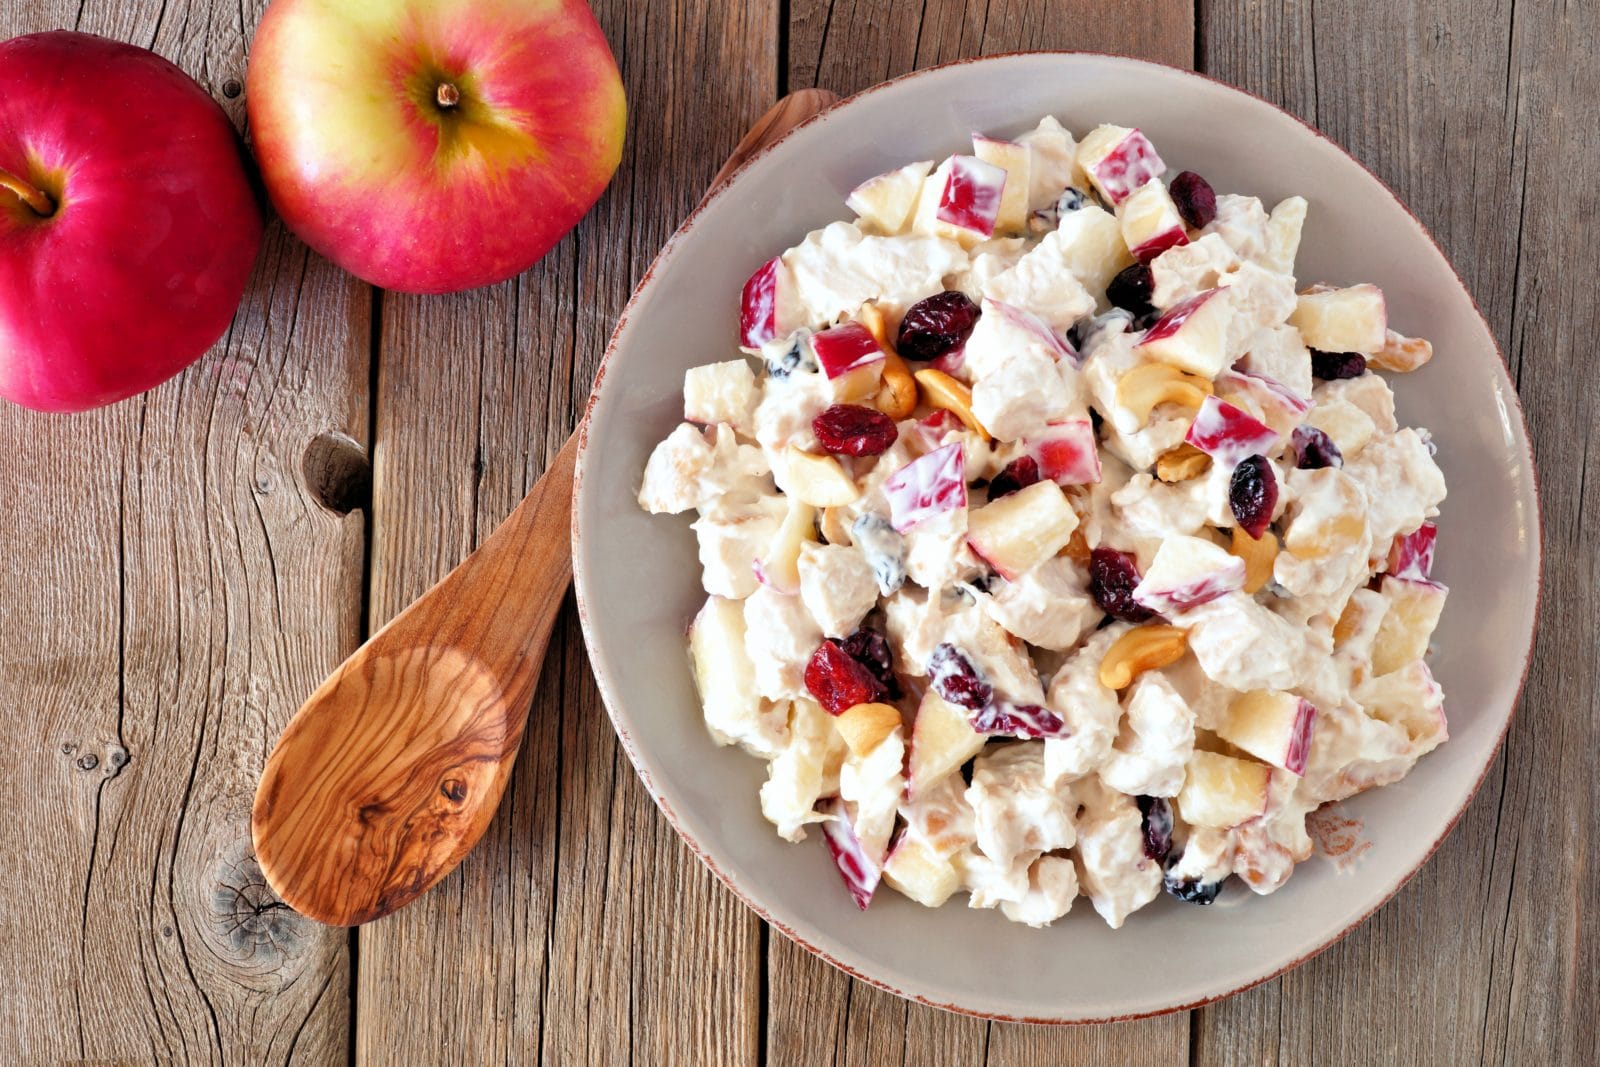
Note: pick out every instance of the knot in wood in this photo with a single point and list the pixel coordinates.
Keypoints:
(337, 472)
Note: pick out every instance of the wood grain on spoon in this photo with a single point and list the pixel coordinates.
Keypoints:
(391, 771)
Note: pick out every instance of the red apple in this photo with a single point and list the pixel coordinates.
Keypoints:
(433, 145)
(1227, 434)
(128, 227)
(927, 486)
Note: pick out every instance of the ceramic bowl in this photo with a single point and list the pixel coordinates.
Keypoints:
(637, 577)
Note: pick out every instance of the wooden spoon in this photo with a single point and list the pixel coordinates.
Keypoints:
(389, 774)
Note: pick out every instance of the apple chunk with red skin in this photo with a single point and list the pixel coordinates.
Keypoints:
(1118, 161)
(1192, 335)
(961, 199)
(1023, 529)
(851, 359)
(128, 227)
(1221, 792)
(1271, 726)
(1066, 452)
(433, 145)
(1228, 434)
(858, 870)
(1187, 572)
(1150, 222)
(929, 485)
(1411, 555)
(767, 306)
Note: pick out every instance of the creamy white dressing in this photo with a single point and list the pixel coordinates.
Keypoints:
(1039, 818)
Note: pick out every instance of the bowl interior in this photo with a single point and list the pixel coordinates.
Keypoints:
(638, 579)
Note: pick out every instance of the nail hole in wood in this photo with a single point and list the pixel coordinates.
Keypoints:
(337, 472)
(231, 89)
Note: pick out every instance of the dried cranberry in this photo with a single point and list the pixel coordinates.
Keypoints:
(955, 678)
(1196, 200)
(1018, 474)
(1156, 825)
(934, 326)
(854, 430)
(1112, 577)
(871, 649)
(1130, 290)
(1192, 890)
(1019, 720)
(837, 681)
(1314, 449)
(1252, 494)
(1332, 366)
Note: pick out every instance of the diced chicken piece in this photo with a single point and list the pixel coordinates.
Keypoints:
(780, 637)
(1089, 709)
(1049, 606)
(1113, 871)
(837, 587)
(1154, 744)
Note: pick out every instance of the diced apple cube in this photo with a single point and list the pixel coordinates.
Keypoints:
(851, 360)
(1187, 572)
(971, 196)
(1410, 699)
(725, 677)
(768, 307)
(887, 200)
(1346, 425)
(1150, 222)
(1091, 245)
(1342, 320)
(720, 392)
(817, 480)
(1411, 555)
(1227, 434)
(921, 872)
(1221, 792)
(1414, 609)
(942, 739)
(927, 486)
(1274, 403)
(1271, 726)
(856, 868)
(1021, 530)
(1066, 452)
(1118, 161)
(780, 566)
(1012, 158)
(1193, 335)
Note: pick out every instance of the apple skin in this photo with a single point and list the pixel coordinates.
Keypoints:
(365, 165)
(142, 264)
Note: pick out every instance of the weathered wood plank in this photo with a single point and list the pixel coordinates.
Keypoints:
(815, 1013)
(581, 930)
(172, 588)
(1481, 116)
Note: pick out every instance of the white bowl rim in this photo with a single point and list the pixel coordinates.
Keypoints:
(643, 765)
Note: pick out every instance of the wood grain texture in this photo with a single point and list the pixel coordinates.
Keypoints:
(581, 930)
(171, 584)
(390, 772)
(1482, 116)
(816, 1014)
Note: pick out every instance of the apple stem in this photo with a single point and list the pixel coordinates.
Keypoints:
(34, 197)
(447, 95)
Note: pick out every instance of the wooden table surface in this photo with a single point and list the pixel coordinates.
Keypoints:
(181, 569)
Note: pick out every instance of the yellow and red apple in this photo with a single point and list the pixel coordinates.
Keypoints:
(433, 145)
(128, 226)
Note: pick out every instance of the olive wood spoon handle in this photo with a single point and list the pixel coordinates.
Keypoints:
(391, 771)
